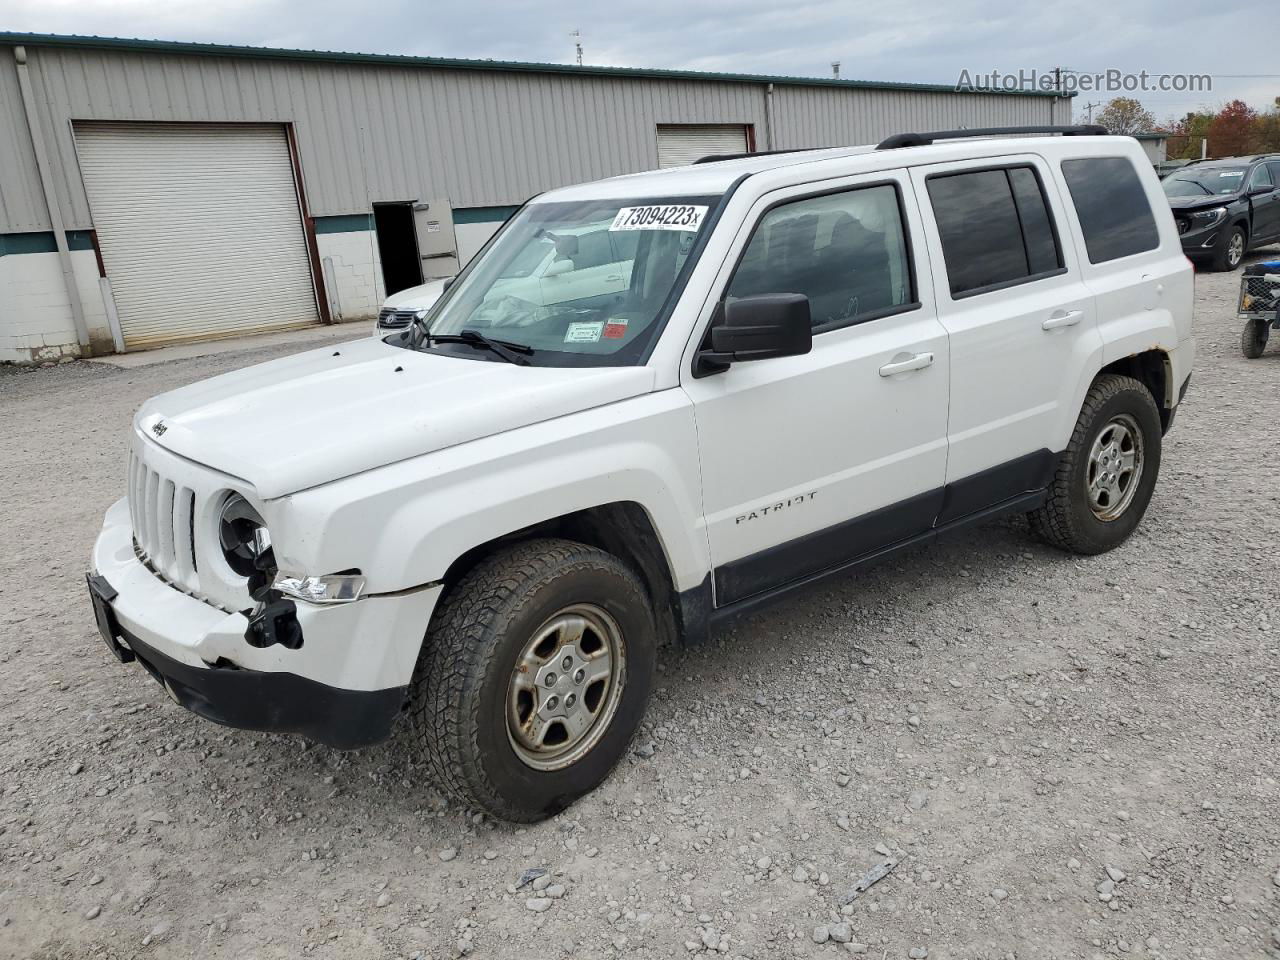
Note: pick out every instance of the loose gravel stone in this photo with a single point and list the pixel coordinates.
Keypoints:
(538, 904)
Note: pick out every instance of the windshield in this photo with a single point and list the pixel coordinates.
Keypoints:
(581, 283)
(1204, 182)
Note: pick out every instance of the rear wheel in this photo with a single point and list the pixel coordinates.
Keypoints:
(534, 677)
(1253, 339)
(1107, 474)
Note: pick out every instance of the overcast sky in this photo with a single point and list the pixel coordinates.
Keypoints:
(908, 40)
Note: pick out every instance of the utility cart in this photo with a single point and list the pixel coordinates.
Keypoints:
(1259, 306)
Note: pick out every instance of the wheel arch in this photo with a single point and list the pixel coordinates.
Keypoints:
(1154, 370)
(621, 528)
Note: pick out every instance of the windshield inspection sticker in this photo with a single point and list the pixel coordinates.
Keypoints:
(584, 331)
(1231, 173)
(667, 216)
(615, 329)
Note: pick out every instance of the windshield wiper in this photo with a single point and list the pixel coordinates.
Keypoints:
(517, 353)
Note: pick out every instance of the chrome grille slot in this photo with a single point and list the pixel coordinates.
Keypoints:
(163, 517)
(184, 548)
(164, 557)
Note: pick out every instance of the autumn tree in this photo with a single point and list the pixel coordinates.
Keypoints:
(1232, 132)
(1267, 129)
(1186, 135)
(1124, 115)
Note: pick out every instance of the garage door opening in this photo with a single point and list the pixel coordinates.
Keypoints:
(683, 143)
(201, 229)
(397, 246)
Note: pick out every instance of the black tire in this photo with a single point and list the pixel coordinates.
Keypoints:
(1253, 338)
(1067, 520)
(478, 632)
(1228, 255)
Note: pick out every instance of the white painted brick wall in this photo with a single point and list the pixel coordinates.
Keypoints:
(35, 312)
(357, 272)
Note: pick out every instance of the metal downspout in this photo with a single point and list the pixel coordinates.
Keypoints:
(768, 117)
(51, 198)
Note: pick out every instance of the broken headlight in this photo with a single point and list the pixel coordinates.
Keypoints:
(243, 536)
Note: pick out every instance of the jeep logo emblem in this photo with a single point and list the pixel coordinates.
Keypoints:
(158, 428)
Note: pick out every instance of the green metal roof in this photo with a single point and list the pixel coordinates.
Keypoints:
(445, 63)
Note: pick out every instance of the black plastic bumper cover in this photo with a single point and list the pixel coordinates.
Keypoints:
(276, 702)
(273, 702)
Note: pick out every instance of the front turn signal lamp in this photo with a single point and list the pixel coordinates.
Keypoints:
(334, 588)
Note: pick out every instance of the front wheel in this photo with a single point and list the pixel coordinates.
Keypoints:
(1107, 474)
(534, 677)
(1253, 339)
(1230, 251)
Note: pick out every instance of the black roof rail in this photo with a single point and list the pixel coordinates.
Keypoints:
(924, 139)
(717, 157)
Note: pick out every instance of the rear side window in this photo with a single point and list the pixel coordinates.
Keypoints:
(1112, 206)
(996, 228)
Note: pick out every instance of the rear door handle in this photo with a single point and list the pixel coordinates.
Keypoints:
(1062, 318)
(907, 363)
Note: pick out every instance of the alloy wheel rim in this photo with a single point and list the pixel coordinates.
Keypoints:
(565, 687)
(1235, 250)
(1115, 467)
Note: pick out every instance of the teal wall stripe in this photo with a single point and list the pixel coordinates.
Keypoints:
(482, 214)
(42, 242)
(359, 222)
(346, 223)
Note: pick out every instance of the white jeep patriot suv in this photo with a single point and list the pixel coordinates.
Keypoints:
(817, 358)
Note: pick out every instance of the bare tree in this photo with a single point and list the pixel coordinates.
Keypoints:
(1124, 115)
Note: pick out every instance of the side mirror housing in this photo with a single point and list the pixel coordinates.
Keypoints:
(1260, 190)
(759, 328)
(557, 268)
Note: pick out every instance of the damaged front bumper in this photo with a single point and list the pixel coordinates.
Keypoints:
(343, 686)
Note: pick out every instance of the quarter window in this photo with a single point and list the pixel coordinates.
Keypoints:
(1112, 206)
(995, 227)
(847, 252)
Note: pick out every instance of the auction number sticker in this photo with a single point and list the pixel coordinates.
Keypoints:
(666, 216)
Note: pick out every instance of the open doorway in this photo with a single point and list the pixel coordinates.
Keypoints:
(397, 246)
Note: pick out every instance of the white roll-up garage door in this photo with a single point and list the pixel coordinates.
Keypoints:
(200, 229)
(683, 143)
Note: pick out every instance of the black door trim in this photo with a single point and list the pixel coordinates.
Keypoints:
(806, 556)
(745, 585)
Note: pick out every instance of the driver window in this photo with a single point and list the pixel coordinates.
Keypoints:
(1260, 177)
(845, 251)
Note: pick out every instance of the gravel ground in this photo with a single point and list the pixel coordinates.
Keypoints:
(1062, 757)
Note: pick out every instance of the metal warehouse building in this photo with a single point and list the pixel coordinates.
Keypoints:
(156, 192)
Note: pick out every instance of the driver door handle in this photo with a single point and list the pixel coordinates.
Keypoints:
(1062, 318)
(909, 362)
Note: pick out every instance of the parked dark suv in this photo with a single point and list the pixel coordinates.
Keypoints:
(1226, 207)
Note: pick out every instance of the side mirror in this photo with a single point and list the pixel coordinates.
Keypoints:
(557, 267)
(1260, 189)
(759, 328)
(447, 284)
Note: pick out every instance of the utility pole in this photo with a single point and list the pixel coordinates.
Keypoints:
(1088, 109)
(577, 45)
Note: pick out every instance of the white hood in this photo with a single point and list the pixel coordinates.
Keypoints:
(420, 297)
(304, 420)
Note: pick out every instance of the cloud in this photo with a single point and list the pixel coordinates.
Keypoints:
(910, 40)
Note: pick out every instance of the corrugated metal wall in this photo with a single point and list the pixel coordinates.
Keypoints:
(370, 132)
